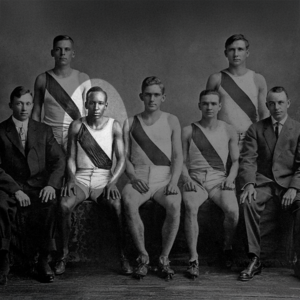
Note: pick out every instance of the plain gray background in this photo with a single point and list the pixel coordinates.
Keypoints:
(122, 42)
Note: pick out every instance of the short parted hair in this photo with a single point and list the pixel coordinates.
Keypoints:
(236, 37)
(209, 92)
(152, 80)
(62, 38)
(18, 92)
(96, 89)
(278, 89)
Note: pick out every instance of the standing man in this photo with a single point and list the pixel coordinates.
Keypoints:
(270, 171)
(32, 168)
(243, 92)
(61, 91)
(92, 142)
(206, 147)
(153, 165)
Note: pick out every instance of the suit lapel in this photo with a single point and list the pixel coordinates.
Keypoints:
(13, 136)
(31, 137)
(284, 135)
(269, 134)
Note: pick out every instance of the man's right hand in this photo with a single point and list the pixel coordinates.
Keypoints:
(22, 198)
(140, 185)
(69, 189)
(190, 186)
(248, 193)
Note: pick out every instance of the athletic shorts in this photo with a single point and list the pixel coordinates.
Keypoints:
(212, 180)
(92, 181)
(155, 176)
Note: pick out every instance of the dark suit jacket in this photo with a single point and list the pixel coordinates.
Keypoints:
(263, 160)
(41, 163)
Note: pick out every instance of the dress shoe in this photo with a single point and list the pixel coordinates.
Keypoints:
(44, 271)
(253, 268)
(126, 268)
(297, 269)
(60, 266)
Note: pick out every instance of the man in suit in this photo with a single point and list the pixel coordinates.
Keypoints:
(32, 168)
(270, 171)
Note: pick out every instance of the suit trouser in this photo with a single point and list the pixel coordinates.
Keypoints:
(39, 220)
(254, 209)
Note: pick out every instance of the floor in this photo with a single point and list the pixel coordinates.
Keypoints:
(102, 281)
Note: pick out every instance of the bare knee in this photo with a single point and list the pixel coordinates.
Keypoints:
(173, 206)
(66, 206)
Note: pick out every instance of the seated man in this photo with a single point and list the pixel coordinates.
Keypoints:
(270, 172)
(91, 144)
(153, 165)
(206, 146)
(33, 166)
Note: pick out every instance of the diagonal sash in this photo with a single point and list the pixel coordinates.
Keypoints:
(62, 97)
(92, 149)
(206, 149)
(239, 96)
(152, 151)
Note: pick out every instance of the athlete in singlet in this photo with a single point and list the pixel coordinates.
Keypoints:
(91, 144)
(153, 165)
(61, 91)
(243, 92)
(206, 147)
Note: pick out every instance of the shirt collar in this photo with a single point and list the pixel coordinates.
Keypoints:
(281, 122)
(20, 124)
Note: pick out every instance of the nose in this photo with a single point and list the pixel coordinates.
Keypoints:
(276, 106)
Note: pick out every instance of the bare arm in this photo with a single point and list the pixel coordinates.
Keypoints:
(71, 158)
(138, 184)
(213, 82)
(262, 95)
(177, 157)
(185, 138)
(234, 155)
(39, 92)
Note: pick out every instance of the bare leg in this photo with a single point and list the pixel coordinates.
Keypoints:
(192, 201)
(132, 200)
(227, 201)
(172, 205)
(67, 206)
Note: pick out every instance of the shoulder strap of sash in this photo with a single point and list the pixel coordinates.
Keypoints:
(207, 150)
(239, 96)
(62, 97)
(92, 149)
(147, 145)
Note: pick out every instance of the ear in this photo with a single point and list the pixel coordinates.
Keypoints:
(220, 106)
(247, 52)
(225, 53)
(73, 54)
(10, 106)
(288, 103)
(199, 106)
(141, 96)
(163, 98)
(85, 105)
(52, 53)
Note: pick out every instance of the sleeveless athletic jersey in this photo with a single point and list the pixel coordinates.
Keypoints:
(159, 133)
(231, 112)
(219, 141)
(55, 116)
(103, 137)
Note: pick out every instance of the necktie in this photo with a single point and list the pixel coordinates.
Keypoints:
(22, 136)
(277, 129)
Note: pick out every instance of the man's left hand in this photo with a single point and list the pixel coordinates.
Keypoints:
(111, 192)
(228, 184)
(171, 189)
(47, 193)
(288, 198)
